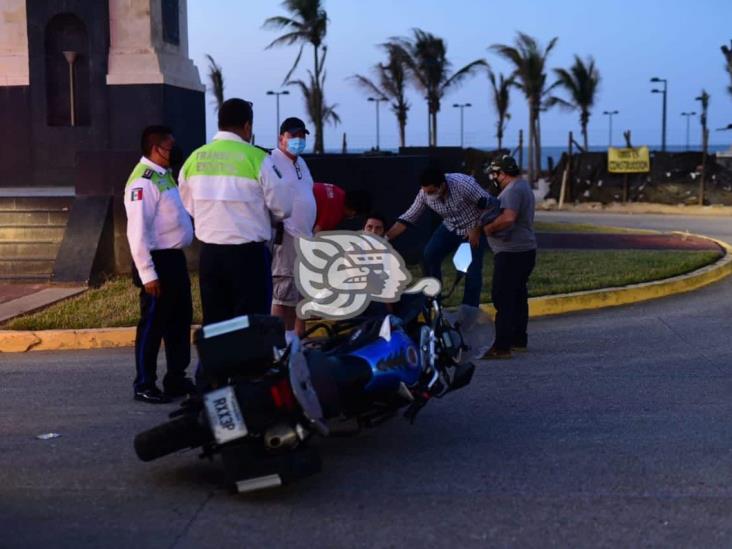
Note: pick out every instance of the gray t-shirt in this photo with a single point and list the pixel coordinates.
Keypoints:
(519, 197)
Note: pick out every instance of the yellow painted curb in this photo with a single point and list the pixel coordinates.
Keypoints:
(107, 338)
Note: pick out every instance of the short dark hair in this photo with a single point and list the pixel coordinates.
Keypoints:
(235, 113)
(432, 175)
(376, 215)
(359, 201)
(152, 136)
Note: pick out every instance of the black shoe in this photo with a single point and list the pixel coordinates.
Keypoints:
(496, 354)
(152, 395)
(180, 387)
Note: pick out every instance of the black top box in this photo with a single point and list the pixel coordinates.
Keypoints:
(240, 346)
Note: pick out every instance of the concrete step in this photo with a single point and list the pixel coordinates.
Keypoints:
(33, 217)
(20, 248)
(32, 233)
(26, 278)
(35, 266)
(58, 203)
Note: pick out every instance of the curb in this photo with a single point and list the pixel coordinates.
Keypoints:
(107, 338)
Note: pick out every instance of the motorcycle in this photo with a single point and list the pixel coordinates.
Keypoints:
(266, 400)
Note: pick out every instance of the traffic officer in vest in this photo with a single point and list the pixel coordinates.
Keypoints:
(288, 163)
(233, 193)
(158, 228)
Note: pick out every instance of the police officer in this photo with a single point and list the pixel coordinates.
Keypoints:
(158, 227)
(233, 193)
(288, 163)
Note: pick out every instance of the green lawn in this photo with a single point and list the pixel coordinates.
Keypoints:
(562, 227)
(115, 303)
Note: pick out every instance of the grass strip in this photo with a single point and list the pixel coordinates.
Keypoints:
(116, 302)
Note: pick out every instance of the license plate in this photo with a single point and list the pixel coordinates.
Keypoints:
(224, 415)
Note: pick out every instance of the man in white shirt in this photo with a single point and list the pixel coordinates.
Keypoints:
(233, 193)
(289, 164)
(158, 227)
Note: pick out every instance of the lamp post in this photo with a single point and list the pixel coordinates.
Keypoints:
(277, 95)
(664, 91)
(71, 57)
(610, 115)
(687, 115)
(377, 100)
(462, 107)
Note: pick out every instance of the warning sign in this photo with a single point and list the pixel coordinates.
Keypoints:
(633, 160)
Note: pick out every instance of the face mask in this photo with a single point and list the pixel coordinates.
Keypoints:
(295, 145)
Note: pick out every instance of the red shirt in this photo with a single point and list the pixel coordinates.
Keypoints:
(330, 202)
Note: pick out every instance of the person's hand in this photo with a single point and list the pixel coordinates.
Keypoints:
(153, 288)
(474, 237)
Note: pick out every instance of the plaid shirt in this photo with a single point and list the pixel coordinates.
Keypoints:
(459, 209)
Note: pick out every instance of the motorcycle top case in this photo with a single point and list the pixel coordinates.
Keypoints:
(239, 346)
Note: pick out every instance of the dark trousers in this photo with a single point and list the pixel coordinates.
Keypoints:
(444, 242)
(166, 318)
(236, 279)
(511, 271)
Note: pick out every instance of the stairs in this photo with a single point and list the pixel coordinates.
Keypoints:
(32, 227)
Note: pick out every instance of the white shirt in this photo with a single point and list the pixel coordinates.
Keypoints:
(229, 208)
(297, 175)
(156, 219)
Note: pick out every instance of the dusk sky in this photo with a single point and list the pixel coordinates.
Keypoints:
(630, 40)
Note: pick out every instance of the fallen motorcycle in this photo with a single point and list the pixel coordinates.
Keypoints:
(266, 400)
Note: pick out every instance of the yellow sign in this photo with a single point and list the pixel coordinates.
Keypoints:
(635, 160)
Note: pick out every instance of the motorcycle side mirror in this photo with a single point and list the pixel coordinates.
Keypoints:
(463, 258)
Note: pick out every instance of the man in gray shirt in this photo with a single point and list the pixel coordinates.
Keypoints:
(512, 239)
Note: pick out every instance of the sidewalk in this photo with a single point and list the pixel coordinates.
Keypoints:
(550, 205)
(18, 299)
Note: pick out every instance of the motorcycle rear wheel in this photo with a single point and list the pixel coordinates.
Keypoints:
(177, 434)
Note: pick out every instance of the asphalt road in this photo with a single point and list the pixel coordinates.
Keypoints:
(614, 430)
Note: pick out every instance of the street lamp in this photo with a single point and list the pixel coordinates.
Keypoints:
(610, 115)
(377, 100)
(71, 57)
(687, 115)
(462, 107)
(277, 95)
(664, 91)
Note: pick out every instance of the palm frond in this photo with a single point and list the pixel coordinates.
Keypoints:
(366, 84)
(216, 76)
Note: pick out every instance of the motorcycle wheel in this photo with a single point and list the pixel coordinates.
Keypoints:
(178, 434)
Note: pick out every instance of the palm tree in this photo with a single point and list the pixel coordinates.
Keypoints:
(425, 56)
(529, 61)
(704, 98)
(501, 96)
(727, 52)
(315, 105)
(216, 75)
(580, 82)
(390, 85)
(307, 25)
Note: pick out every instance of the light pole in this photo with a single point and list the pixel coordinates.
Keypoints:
(664, 91)
(277, 95)
(462, 107)
(377, 100)
(687, 115)
(71, 57)
(610, 115)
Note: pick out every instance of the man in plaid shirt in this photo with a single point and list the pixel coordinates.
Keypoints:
(460, 202)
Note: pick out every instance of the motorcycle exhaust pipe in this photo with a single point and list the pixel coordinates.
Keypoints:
(281, 436)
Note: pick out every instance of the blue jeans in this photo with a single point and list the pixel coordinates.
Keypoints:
(444, 242)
